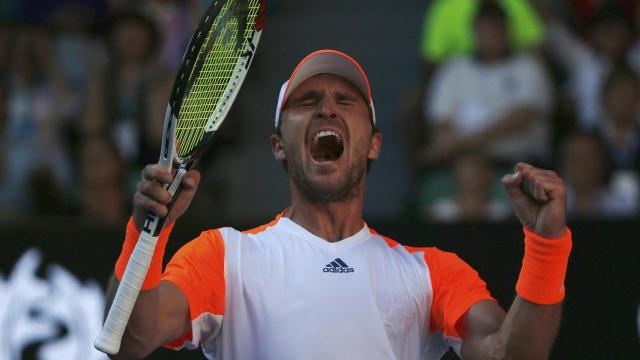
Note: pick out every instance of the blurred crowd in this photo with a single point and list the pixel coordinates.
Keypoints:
(83, 91)
(84, 85)
(555, 84)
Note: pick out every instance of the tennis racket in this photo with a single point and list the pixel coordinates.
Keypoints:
(213, 68)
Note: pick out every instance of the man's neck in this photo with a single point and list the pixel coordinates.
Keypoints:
(332, 221)
(490, 58)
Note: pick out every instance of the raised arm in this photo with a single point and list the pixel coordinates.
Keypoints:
(161, 312)
(529, 328)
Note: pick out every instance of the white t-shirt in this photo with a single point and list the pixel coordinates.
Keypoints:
(280, 292)
(473, 96)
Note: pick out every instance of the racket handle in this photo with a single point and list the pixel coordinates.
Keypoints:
(110, 337)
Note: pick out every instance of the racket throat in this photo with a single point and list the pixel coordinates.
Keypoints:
(168, 150)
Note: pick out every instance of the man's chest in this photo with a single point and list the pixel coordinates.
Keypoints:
(301, 285)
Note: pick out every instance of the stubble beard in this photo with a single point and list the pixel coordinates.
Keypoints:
(347, 186)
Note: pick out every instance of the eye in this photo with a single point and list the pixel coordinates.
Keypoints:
(307, 102)
(344, 100)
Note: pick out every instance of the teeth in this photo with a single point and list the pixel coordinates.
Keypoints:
(327, 133)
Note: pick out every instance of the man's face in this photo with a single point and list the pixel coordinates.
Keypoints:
(583, 164)
(621, 102)
(611, 39)
(326, 138)
(491, 36)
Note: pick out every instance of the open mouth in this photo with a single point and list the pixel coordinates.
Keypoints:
(326, 146)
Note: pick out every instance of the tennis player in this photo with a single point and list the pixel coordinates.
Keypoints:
(317, 282)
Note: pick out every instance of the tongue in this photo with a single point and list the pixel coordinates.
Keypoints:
(326, 148)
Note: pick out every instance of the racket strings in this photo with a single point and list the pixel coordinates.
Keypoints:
(219, 56)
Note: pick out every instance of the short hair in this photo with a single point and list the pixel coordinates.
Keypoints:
(490, 9)
(611, 13)
(146, 22)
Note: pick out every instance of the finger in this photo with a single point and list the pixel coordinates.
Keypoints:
(512, 182)
(532, 183)
(553, 186)
(513, 179)
(535, 188)
(149, 204)
(538, 184)
(157, 173)
(513, 186)
(154, 190)
(542, 185)
(191, 180)
(522, 167)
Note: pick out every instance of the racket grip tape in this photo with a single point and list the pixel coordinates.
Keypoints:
(110, 337)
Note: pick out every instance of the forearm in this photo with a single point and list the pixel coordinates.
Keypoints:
(529, 330)
(159, 316)
(446, 142)
(514, 121)
(532, 322)
(141, 326)
(160, 313)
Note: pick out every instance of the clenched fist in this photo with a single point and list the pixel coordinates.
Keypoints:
(539, 199)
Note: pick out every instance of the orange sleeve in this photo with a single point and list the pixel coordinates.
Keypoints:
(456, 287)
(198, 270)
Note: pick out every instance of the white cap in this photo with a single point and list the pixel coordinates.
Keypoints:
(326, 62)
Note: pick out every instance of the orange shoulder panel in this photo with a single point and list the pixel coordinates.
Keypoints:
(198, 270)
(456, 288)
(262, 228)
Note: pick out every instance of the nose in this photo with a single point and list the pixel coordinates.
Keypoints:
(326, 107)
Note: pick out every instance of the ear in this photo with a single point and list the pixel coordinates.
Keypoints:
(277, 147)
(374, 147)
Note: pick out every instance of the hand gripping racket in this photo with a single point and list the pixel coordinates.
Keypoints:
(213, 68)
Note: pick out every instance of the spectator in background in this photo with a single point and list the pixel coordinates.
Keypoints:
(608, 45)
(76, 49)
(585, 167)
(127, 96)
(176, 20)
(497, 99)
(585, 10)
(620, 125)
(4, 115)
(449, 32)
(620, 131)
(6, 34)
(35, 153)
(117, 7)
(448, 29)
(102, 186)
(473, 196)
(6, 38)
(495, 102)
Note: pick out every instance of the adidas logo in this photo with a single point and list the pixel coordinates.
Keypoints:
(337, 266)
